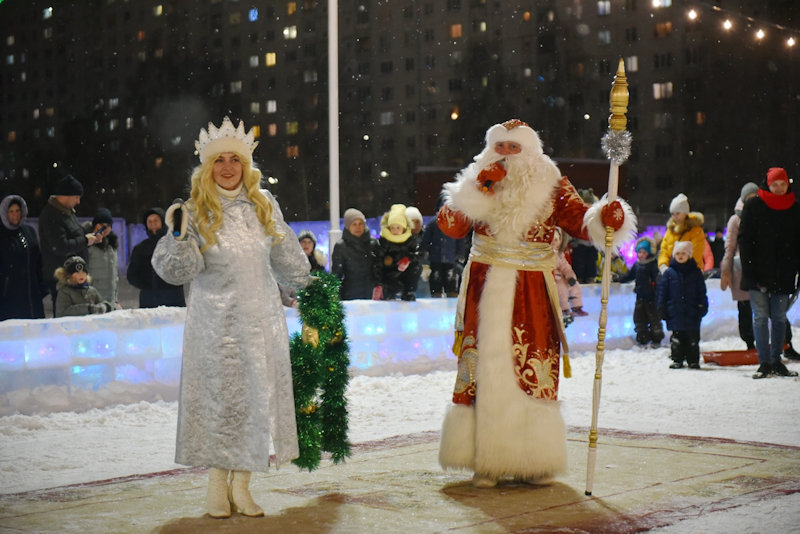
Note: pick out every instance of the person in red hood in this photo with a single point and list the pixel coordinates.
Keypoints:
(769, 245)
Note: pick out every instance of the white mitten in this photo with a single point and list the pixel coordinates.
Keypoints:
(169, 218)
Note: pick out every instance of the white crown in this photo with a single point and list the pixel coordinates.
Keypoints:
(226, 138)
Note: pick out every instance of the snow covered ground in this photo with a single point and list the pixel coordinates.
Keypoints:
(639, 394)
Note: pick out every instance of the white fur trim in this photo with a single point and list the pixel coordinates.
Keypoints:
(523, 135)
(593, 222)
(457, 445)
(515, 435)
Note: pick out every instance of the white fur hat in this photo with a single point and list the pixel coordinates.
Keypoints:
(413, 214)
(679, 204)
(682, 246)
(517, 131)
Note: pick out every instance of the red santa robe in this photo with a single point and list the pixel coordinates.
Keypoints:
(505, 418)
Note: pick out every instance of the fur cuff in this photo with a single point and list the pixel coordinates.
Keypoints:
(593, 223)
(457, 445)
(465, 195)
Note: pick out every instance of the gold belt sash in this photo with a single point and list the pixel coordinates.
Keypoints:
(521, 256)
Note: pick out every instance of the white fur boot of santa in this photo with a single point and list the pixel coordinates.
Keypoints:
(217, 496)
(240, 497)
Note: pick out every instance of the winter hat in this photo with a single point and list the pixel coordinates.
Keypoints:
(748, 189)
(74, 264)
(679, 204)
(352, 214)
(644, 244)
(68, 186)
(307, 234)
(397, 215)
(103, 216)
(413, 214)
(776, 174)
(682, 246)
(517, 131)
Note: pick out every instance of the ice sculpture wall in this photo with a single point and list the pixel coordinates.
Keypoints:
(131, 355)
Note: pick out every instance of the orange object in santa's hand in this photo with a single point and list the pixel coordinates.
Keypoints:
(490, 176)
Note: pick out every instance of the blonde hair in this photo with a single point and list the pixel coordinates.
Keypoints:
(206, 207)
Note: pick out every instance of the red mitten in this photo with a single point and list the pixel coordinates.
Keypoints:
(490, 176)
(377, 293)
(402, 265)
(612, 215)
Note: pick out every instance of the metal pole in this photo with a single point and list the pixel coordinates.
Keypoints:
(334, 234)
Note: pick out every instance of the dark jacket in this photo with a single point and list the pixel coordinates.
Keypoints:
(60, 235)
(682, 298)
(22, 286)
(440, 247)
(354, 261)
(769, 245)
(389, 255)
(645, 275)
(153, 290)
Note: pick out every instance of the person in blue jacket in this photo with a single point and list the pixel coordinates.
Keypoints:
(682, 302)
(646, 320)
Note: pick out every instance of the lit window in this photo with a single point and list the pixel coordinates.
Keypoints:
(50, 112)
(36, 113)
(254, 61)
(47, 12)
(256, 131)
(252, 15)
(128, 123)
(700, 118)
(272, 129)
(10, 40)
(159, 53)
(663, 29)
(51, 131)
(236, 87)
(158, 10)
(12, 136)
(291, 8)
(255, 107)
(291, 127)
(235, 18)
(481, 26)
(113, 124)
(455, 31)
(48, 33)
(272, 106)
(10, 59)
(292, 151)
(113, 102)
(662, 90)
(140, 35)
(604, 7)
(270, 58)
(387, 118)
(23, 76)
(527, 72)
(310, 76)
(632, 64)
(141, 56)
(290, 32)
(604, 37)
(661, 3)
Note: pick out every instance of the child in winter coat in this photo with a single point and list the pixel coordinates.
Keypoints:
(683, 225)
(570, 295)
(398, 248)
(75, 295)
(646, 320)
(683, 302)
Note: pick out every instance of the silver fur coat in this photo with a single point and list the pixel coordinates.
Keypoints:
(236, 377)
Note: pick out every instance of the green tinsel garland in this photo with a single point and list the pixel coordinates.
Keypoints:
(320, 375)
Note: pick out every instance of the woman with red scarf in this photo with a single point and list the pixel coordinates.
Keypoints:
(769, 245)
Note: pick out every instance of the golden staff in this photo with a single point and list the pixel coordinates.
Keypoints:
(616, 143)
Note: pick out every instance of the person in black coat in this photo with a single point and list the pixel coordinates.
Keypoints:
(22, 285)
(153, 290)
(444, 253)
(60, 234)
(683, 302)
(354, 259)
(769, 246)
(646, 320)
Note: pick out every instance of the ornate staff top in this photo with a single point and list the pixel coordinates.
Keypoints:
(616, 142)
(619, 100)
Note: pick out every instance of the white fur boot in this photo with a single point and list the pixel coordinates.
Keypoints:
(240, 495)
(217, 496)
